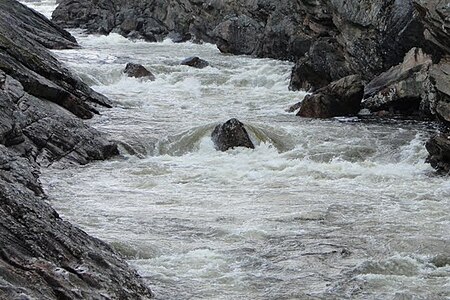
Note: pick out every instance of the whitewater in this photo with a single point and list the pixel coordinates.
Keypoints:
(321, 209)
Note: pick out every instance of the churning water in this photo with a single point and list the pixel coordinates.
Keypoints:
(321, 209)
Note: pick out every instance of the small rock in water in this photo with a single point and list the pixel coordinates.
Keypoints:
(231, 134)
(138, 71)
(195, 62)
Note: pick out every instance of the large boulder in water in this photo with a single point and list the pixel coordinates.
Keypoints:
(231, 134)
(138, 71)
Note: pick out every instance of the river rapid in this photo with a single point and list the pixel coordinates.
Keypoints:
(321, 209)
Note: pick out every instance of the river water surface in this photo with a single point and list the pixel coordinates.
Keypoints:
(321, 209)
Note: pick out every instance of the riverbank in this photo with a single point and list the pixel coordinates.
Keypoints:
(41, 123)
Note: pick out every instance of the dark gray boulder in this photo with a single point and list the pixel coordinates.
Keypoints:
(138, 71)
(195, 62)
(41, 110)
(231, 134)
(340, 98)
(439, 152)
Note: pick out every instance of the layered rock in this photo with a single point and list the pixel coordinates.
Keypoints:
(41, 110)
(416, 86)
(435, 16)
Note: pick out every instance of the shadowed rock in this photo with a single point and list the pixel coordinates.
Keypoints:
(340, 98)
(138, 71)
(195, 62)
(416, 86)
(439, 152)
(231, 134)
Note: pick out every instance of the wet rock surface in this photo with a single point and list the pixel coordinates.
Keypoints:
(195, 62)
(138, 71)
(41, 110)
(400, 88)
(340, 98)
(439, 152)
(231, 134)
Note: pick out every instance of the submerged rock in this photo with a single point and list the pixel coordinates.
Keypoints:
(138, 71)
(195, 62)
(231, 134)
(340, 98)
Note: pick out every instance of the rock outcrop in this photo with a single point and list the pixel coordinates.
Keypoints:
(340, 98)
(435, 17)
(332, 37)
(138, 71)
(231, 134)
(41, 110)
(416, 86)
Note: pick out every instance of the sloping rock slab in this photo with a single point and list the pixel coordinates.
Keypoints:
(416, 86)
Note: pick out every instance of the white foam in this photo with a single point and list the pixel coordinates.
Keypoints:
(226, 221)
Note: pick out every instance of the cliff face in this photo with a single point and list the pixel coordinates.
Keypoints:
(41, 107)
(328, 40)
(363, 37)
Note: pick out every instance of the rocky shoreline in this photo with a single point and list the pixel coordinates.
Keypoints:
(388, 57)
(399, 51)
(42, 107)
